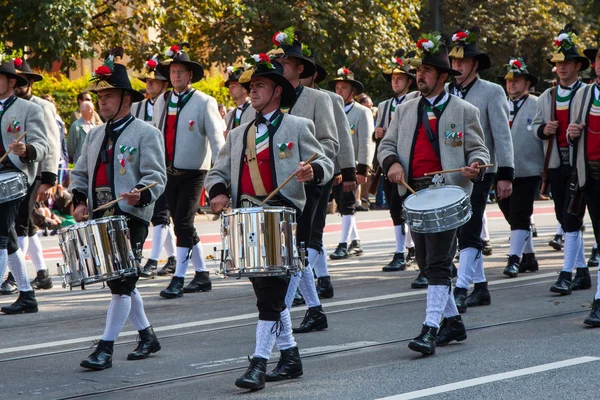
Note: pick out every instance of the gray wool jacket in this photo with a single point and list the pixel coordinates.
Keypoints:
(384, 109)
(49, 165)
(542, 116)
(138, 109)
(225, 175)
(361, 123)
(529, 152)
(147, 167)
(459, 116)
(192, 150)
(490, 99)
(30, 117)
(316, 106)
(579, 103)
(345, 162)
(248, 115)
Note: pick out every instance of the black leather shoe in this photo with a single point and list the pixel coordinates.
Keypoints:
(147, 345)
(460, 297)
(298, 299)
(289, 366)
(148, 271)
(451, 329)
(354, 249)
(425, 342)
(254, 377)
(9, 286)
(26, 303)
(594, 318)
(151, 265)
(563, 284)
(420, 282)
(168, 268)
(200, 283)
(101, 358)
(340, 253)
(175, 288)
(397, 263)
(534, 232)
(582, 280)
(512, 267)
(529, 263)
(314, 320)
(487, 248)
(324, 287)
(556, 243)
(480, 296)
(410, 254)
(594, 260)
(42, 280)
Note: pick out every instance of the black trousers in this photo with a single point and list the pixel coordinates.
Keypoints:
(270, 296)
(318, 226)
(518, 208)
(591, 194)
(394, 201)
(469, 235)
(346, 201)
(138, 232)
(8, 235)
(24, 225)
(434, 253)
(304, 220)
(183, 194)
(559, 179)
(161, 215)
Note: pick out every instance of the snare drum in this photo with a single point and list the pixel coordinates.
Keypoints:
(437, 209)
(96, 251)
(13, 185)
(259, 242)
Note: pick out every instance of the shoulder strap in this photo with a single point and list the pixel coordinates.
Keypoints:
(257, 183)
(385, 111)
(139, 108)
(432, 136)
(166, 98)
(582, 108)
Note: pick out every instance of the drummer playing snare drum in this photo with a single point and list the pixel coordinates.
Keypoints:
(434, 132)
(118, 158)
(256, 158)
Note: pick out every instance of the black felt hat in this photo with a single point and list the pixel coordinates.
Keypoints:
(517, 67)
(591, 53)
(288, 43)
(111, 75)
(151, 70)
(313, 55)
(233, 74)
(431, 50)
(465, 46)
(8, 63)
(400, 64)
(566, 50)
(25, 70)
(345, 75)
(179, 56)
(268, 67)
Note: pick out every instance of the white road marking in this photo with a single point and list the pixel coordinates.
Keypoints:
(491, 378)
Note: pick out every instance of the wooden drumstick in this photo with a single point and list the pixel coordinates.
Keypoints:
(447, 171)
(408, 187)
(10, 150)
(288, 179)
(112, 203)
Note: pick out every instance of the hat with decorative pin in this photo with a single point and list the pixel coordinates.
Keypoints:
(233, 74)
(267, 66)
(345, 75)
(399, 64)
(288, 43)
(8, 64)
(24, 69)
(431, 50)
(464, 43)
(150, 69)
(177, 55)
(517, 67)
(111, 75)
(565, 48)
(591, 53)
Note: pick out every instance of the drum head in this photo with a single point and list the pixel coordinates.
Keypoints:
(429, 199)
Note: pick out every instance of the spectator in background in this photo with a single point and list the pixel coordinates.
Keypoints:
(79, 129)
(222, 110)
(75, 115)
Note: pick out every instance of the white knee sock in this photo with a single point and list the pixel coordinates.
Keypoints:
(479, 271)
(354, 230)
(559, 230)
(409, 239)
(16, 263)
(285, 340)
(291, 291)
(531, 220)
(451, 310)
(116, 316)
(320, 264)
(312, 256)
(308, 289)
(580, 261)
(182, 261)
(400, 239)
(3, 263)
(485, 233)
(466, 267)
(159, 234)
(23, 242)
(529, 245)
(137, 316)
(198, 258)
(265, 339)
(170, 241)
(346, 226)
(597, 296)
(36, 254)
(572, 244)
(437, 298)
(518, 238)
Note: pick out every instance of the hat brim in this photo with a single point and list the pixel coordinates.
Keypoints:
(591, 53)
(99, 86)
(21, 80)
(288, 93)
(442, 68)
(483, 59)
(355, 84)
(31, 75)
(321, 73)
(530, 77)
(388, 75)
(197, 70)
(585, 63)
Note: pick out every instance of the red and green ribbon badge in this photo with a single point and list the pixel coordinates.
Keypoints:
(16, 124)
(122, 155)
(286, 146)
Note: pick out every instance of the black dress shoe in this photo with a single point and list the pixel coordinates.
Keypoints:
(460, 297)
(254, 377)
(451, 329)
(298, 299)
(200, 283)
(289, 366)
(480, 296)
(397, 264)
(556, 243)
(529, 263)
(594, 318)
(168, 268)
(340, 253)
(361, 208)
(147, 345)
(354, 249)
(101, 358)
(175, 288)
(314, 320)
(425, 342)
(149, 269)
(487, 248)
(512, 267)
(420, 282)
(594, 260)
(563, 284)
(42, 280)
(534, 232)
(9, 286)
(582, 280)
(324, 287)
(26, 303)
(410, 254)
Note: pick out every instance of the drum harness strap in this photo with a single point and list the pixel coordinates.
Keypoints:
(257, 183)
(433, 137)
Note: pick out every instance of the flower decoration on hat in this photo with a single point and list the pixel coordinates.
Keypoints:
(429, 43)
(515, 66)
(104, 71)
(285, 37)
(172, 51)
(564, 41)
(18, 61)
(14, 55)
(254, 61)
(306, 51)
(464, 37)
(345, 73)
(152, 63)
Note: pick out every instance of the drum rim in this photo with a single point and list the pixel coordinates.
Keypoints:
(412, 196)
(111, 218)
(13, 173)
(257, 210)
